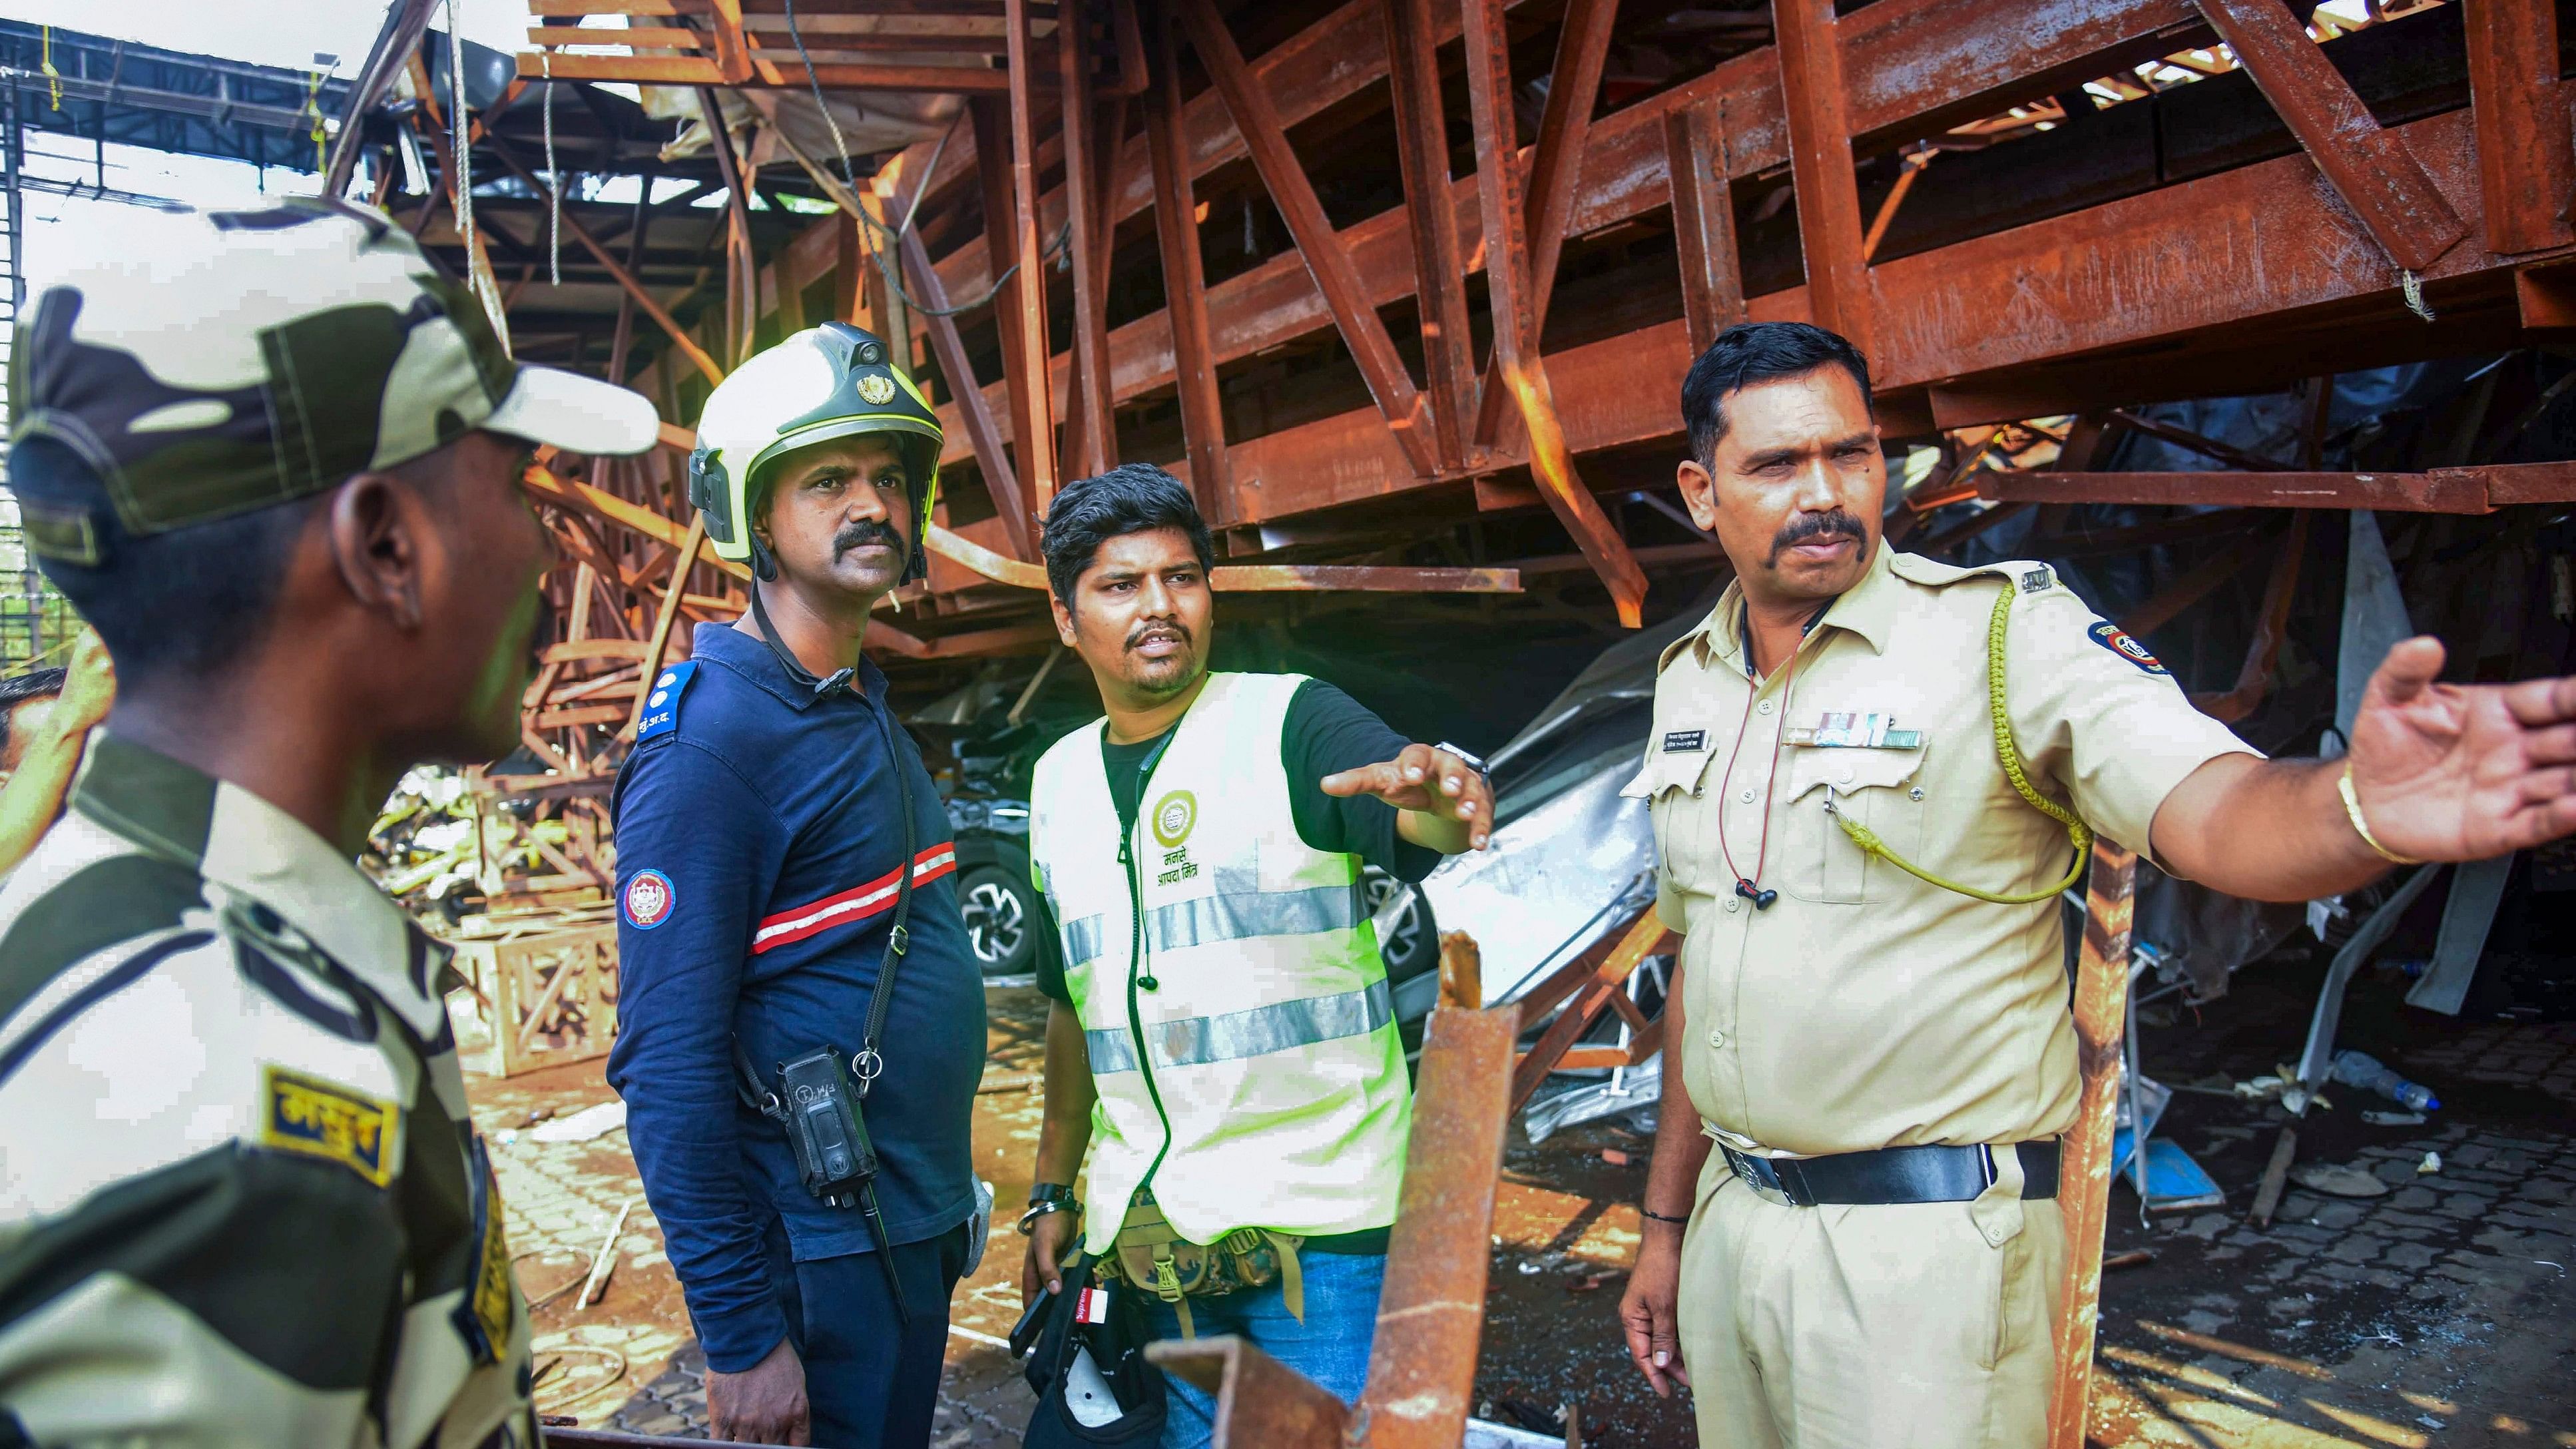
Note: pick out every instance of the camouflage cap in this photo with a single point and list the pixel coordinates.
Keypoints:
(208, 363)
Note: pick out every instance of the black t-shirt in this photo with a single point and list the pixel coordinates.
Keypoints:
(1326, 732)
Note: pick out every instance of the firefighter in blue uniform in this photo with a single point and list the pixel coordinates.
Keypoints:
(789, 929)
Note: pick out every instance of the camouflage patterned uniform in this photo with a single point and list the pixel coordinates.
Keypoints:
(241, 1201)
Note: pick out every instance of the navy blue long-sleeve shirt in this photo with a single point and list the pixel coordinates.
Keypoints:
(757, 848)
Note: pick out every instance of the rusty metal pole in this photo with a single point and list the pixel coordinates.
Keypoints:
(2526, 165)
(1176, 235)
(2084, 1178)
(1439, 271)
(1091, 442)
(1703, 220)
(1516, 340)
(1033, 429)
(1431, 1315)
(1820, 166)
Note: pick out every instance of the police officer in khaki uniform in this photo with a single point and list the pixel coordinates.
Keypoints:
(273, 457)
(1852, 1236)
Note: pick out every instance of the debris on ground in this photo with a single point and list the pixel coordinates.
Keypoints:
(2337, 1179)
(584, 1125)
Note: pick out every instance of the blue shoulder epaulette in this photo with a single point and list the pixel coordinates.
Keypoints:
(662, 706)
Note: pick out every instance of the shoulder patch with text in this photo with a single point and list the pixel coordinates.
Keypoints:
(647, 900)
(315, 1118)
(1682, 742)
(662, 706)
(2121, 642)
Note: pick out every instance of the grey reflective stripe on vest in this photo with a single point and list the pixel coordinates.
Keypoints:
(1281, 1026)
(1227, 917)
(1083, 940)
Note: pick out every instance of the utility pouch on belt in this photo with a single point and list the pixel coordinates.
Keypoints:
(1151, 1255)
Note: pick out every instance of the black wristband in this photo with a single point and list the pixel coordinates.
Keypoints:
(1050, 1192)
(1647, 1212)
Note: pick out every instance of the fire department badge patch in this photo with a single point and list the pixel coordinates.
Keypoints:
(647, 900)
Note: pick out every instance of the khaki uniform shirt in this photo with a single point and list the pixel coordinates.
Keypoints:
(241, 1202)
(1867, 1008)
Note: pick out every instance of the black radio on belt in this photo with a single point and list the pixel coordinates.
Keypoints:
(824, 1128)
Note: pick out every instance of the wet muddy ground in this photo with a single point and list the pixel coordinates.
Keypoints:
(2439, 1314)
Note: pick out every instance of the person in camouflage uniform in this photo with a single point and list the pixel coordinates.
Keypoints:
(272, 456)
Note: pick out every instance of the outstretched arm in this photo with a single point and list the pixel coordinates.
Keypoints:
(2444, 772)
(1445, 806)
(33, 798)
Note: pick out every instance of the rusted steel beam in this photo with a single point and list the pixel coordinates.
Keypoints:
(1431, 1313)
(1439, 267)
(2271, 626)
(1176, 235)
(2448, 490)
(1091, 429)
(1365, 578)
(1033, 424)
(2084, 1175)
(2526, 160)
(1820, 166)
(742, 272)
(1703, 221)
(1645, 936)
(973, 410)
(1259, 1400)
(1318, 246)
(1087, 416)
(659, 645)
(2373, 170)
(546, 486)
(1904, 58)
(626, 279)
(1509, 291)
(1556, 164)
(770, 74)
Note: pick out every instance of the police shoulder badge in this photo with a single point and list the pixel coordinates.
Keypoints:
(316, 1118)
(876, 389)
(647, 900)
(2121, 642)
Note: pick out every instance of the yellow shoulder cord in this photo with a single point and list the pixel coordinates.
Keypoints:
(2078, 834)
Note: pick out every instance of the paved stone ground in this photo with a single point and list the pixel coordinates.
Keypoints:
(2438, 1315)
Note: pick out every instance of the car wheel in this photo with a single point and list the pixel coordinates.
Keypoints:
(1411, 944)
(1001, 921)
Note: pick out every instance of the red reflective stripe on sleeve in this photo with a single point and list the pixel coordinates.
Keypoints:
(855, 904)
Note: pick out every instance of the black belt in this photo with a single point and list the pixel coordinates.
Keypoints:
(1895, 1174)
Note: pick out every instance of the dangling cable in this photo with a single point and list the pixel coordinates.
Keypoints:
(554, 178)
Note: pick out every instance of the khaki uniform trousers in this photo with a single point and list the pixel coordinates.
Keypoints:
(1869, 1327)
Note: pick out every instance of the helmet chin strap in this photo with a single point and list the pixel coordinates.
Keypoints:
(796, 670)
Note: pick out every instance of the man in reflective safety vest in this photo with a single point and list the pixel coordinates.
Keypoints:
(1222, 1032)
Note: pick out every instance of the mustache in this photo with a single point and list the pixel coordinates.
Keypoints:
(1137, 636)
(1815, 525)
(867, 531)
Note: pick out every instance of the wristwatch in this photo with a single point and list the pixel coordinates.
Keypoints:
(1045, 1198)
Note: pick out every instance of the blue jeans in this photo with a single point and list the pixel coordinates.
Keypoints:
(1331, 1346)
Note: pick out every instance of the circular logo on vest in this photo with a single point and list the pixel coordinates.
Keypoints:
(647, 901)
(874, 388)
(1174, 814)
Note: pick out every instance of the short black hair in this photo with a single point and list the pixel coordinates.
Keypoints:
(1752, 352)
(1130, 498)
(171, 606)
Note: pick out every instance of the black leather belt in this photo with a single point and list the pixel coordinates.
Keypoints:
(1895, 1174)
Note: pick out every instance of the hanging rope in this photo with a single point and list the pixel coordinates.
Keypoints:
(53, 77)
(478, 271)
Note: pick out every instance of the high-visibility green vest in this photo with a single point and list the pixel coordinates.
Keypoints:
(1244, 1043)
